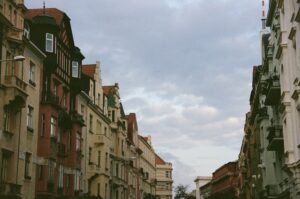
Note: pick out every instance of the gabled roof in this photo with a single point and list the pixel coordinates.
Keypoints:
(159, 160)
(57, 14)
(89, 70)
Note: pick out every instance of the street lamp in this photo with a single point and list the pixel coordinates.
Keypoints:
(16, 58)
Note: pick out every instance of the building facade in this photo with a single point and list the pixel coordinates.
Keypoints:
(59, 171)
(200, 181)
(96, 142)
(164, 182)
(147, 167)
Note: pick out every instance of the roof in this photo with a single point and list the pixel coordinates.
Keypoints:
(89, 70)
(57, 14)
(107, 89)
(159, 160)
(131, 119)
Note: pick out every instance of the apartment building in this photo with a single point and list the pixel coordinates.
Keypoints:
(118, 154)
(20, 69)
(164, 182)
(59, 174)
(147, 167)
(134, 154)
(97, 136)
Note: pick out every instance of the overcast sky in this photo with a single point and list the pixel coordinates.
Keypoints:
(184, 67)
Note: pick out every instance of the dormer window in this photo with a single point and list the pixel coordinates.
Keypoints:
(26, 31)
(75, 69)
(49, 42)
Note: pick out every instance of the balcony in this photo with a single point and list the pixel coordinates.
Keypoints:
(273, 91)
(99, 139)
(275, 138)
(61, 150)
(77, 118)
(9, 189)
(94, 169)
(51, 98)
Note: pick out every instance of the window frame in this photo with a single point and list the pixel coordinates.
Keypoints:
(49, 47)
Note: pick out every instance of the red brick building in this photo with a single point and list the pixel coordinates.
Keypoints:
(224, 182)
(59, 172)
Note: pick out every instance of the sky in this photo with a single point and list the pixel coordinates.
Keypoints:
(183, 66)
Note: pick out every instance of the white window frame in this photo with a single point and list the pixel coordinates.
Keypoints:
(75, 69)
(53, 126)
(50, 39)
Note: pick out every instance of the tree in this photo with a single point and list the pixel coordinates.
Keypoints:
(181, 192)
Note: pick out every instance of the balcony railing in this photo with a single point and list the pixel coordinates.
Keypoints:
(273, 91)
(275, 138)
(77, 118)
(10, 189)
(14, 81)
(51, 98)
(99, 139)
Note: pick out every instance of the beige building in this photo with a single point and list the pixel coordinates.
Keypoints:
(19, 104)
(118, 153)
(97, 137)
(147, 166)
(164, 181)
(135, 176)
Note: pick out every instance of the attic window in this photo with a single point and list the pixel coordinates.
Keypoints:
(49, 42)
(75, 69)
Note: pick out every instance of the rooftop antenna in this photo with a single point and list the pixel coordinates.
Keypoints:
(44, 7)
(263, 19)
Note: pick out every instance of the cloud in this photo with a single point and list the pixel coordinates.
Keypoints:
(184, 66)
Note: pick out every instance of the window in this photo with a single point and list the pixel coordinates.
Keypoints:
(99, 158)
(30, 118)
(99, 100)
(55, 89)
(51, 165)
(32, 73)
(117, 170)
(40, 172)
(64, 98)
(53, 126)
(99, 127)
(75, 71)
(4, 167)
(49, 42)
(90, 155)
(98, 189)
(6, 117)
(106, 160)
(60, 176)
(43, 125)
(113, 116)
(77, 181)
(105, 191)
(78, 142)
(27, 166)
(167, 174)
(91, 123)
(105, 131)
